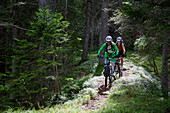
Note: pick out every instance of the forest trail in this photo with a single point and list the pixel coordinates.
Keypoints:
(103, 93)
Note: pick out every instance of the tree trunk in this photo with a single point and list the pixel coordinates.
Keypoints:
(3, 45)
(120, 3)
(165, 68)
(14, 35)
(87, 31)
(92, 24)
(92, 37)
(65, 13)
(104, 27)
(42, 4)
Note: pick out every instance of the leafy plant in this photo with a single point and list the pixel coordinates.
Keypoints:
(37, 57)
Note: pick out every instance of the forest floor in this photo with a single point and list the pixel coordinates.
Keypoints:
(103, 92)
(136, 91)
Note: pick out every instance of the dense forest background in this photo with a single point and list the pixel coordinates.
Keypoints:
(43, 43)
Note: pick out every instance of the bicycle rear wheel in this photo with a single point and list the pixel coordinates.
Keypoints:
(110, 75)
(114, 72)
(120, 72)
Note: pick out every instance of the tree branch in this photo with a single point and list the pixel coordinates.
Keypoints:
(6, 24)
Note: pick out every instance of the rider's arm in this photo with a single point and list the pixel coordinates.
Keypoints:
(123, 46)
(103, 46)
(117, 51)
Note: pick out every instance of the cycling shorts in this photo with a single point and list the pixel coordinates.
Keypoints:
(120, 53)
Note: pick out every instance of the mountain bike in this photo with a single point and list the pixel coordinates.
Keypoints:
(117, 63)
(108, 71)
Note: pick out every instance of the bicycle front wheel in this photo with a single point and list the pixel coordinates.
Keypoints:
(107, 75)
(105, 81)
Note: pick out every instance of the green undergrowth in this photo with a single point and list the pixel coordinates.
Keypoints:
(80, 74)
(75, 105)
(137, 93)
(99, 70)
(80, 87)
(142, 60)
(139, 96)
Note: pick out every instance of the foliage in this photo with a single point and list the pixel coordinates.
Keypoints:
(146, 22)
(73, 88)
(142, 60)
(36, 59)
(78, 76)
(138, 92)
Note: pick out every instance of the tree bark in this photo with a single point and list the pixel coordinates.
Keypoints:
(120, 3)
(65, 13)
(87, 31)
(104, 27)
(165, 68)
(3, 45)
(93, 10)
(42, 4)
(14, 35)
(92, 37)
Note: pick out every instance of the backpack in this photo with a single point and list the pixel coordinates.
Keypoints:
(121, 42)
(106, 48)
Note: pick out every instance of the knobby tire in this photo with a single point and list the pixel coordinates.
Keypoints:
(107, 75)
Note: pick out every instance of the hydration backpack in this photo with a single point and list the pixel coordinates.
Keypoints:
(106, 48)
(121, 42)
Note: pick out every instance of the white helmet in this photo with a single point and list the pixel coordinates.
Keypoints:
(119, 39)
(108, 38)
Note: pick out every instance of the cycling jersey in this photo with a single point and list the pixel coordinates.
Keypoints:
(111, 52)
(120, 48)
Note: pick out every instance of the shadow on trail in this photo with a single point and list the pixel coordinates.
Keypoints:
(103, 93)
(102, 88)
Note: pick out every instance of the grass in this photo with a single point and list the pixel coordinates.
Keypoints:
(141, 60)
(137, 93)
(132, 100)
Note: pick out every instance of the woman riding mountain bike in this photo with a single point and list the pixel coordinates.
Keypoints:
(110, 51)
(120, 45)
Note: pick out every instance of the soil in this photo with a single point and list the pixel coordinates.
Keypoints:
(103, 93)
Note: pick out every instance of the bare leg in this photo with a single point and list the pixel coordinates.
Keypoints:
(121, 61)
(116, 65)
(113, 64)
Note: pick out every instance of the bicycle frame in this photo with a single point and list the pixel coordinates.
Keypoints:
(118, 66)
(108, 70)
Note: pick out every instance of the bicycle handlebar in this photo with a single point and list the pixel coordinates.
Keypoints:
(116, 56)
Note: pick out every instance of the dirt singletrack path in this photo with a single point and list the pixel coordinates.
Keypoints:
(103, 93)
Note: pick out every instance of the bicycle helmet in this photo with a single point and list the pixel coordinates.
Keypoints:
(108, 38)
(119, 39)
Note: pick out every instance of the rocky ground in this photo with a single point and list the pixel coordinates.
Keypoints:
(98, 101)
(103, 93)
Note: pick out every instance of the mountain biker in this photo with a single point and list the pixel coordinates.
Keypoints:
(121, 47)
(110, 51)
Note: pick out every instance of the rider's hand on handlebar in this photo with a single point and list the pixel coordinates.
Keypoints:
(124, 55)
(115, 56)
